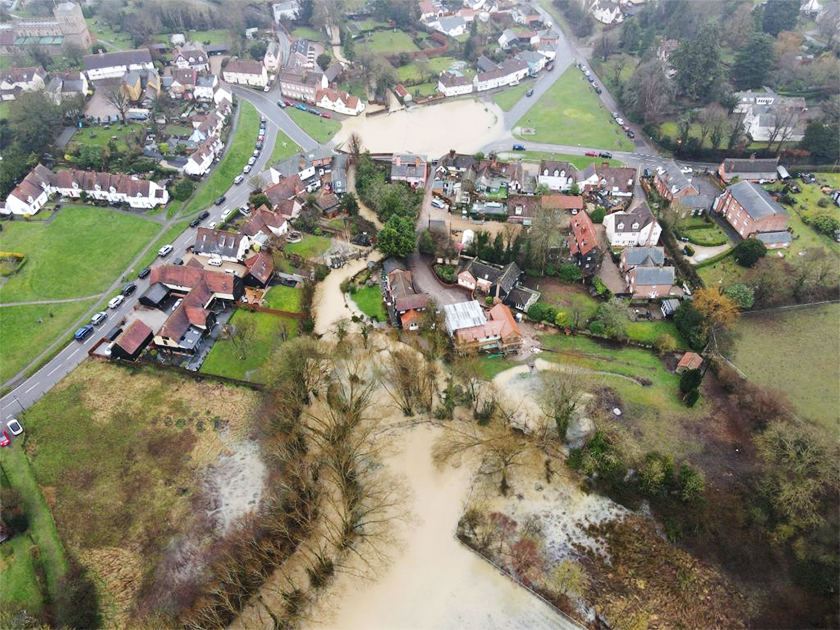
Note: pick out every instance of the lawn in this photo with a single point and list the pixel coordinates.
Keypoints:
(19, 586)
(649, 332)
(570, 113)
(436, 65)
(79, 253)
(387, 42)
(119, 39)
(225, 358)
(240, 147)
(215, 36)
(320, 129)
(369, 300)
(282, 298)
(311, 247)
(284, 148)
(26, 331)
(798, 352)
(580, 161)
(510, 97)
(100, 137)
(164, 239)
(121, 453)
(305, 32)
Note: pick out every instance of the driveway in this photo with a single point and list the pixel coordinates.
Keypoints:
(426, 281)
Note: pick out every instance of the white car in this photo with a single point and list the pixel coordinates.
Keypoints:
(245, 211)
(620, 121)
(615, 115)
(212, 225)
(247, 168)
(215, 262)
(164, 251)
(238, 179)
(256, 153)
(14, 426)
(115, 302)
(252, 161)
(686, 170)
(225, 213)
(267, 88)
(100, 317)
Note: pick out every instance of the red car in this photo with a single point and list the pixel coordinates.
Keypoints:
(325, 115)
(288, 103)
(5, 440)
(591, 154)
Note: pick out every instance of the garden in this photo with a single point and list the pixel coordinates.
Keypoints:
(318, 128)
(282, 298)
(311, 247)
(369, 301)
(390, 42)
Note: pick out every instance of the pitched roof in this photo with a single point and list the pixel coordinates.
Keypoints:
(562, 202)
(559, 166)
(411, 302)
(449, 79)
(22, 75)
(262, 220)
(733, 166)
(244, 66)
(334, 96)
(217, 242)
(260, 266)
(506, 277)
(610, 177)
(650, 276)
(640, 216)
(134, 337)
(691, 361)
(755, 201)
(284, 190)
(673, 176)
(583, 238)
(774, 238)
(523, 205)
(400, 282)
(114, 59)
(643, 256)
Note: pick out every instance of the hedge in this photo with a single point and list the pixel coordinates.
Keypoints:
(714, 259)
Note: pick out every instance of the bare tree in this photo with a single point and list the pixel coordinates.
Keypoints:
(561, 391)
(408, 379)
(117, 97)
(708, 119)
(354, 143)
(784, 124)
(241, 335)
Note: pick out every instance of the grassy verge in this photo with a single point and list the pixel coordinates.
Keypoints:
(510, 97)
(580, 161)
(803, 358)
(283, 299)
(78, 253)
(26, 331)
(226, 357)
(319, 129)
(570, 113)
(369, 300)
(241, 146)
(311, 247)
(164, 239)
(284, 148)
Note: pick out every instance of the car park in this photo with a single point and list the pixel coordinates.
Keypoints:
(164, 251)
(14, 426)
(83, 333)
(116, 301)
(529, 93)
(238, 179)
(129, 289)
(518, 147)
(220, 200)
(144, 272)
(100, 317)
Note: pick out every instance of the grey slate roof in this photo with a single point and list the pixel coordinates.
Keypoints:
(696, 201)
(506, 277)
(756, 201)
(735, 166)
(641, 256)
(485, 65)
(774, 238)
(216, 242)
(675, 177)
(649, 276)
(124, 58)
(641, 214)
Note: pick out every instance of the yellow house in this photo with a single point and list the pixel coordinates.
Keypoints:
(132, 86)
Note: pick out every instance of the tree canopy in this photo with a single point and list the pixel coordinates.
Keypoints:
(753, 62)
(396, 238)
(697, 64)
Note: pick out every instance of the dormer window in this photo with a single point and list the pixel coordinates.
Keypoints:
(113, 190)
(620, 226)
(75, 184)
(635, 226)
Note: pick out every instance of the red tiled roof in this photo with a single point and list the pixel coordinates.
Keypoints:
(285, 189)
(334, 95)
(562, 202)
(134, 337)
(260, 266)
(690, 361)
(583, 238)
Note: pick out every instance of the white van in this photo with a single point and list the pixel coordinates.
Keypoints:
(437, 203)
(215, 262)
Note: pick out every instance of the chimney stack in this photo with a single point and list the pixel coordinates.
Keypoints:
(398, 160)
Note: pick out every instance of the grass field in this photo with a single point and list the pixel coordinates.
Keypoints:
(510, 96)
(22, 337)
(240, 148)
(225, 358)
(387, 42)
(580, 161)
(214, 36)
(320, 129)
(100, 137)
(282, 298)
(164, 239)
(798, 352)
(570, 113)
(79, 253)
(369, 300)
(310, 247)
(436, 65)
(306, 32)
(284, 148)
(128, 445)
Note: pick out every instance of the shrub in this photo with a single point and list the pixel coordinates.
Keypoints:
(445, 272)
(688, 250)
(600, 288)
(597, 328)
(488, 300)
(692, 484)
(689, 380)
(749, 252)
(598, 214)
(11, 510)
(569, 272)
(321, 272)
(689, 322)
(823, 202)
(183, 189)
(742, 295)
(656, 474)
(691, 398)
(664, 344)
(826, 224)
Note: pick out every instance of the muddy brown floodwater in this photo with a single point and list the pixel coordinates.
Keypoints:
(433, 581)
(328, 304)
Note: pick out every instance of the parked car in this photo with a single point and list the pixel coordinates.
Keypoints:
(83, 333)
(178, 261)
(630, 134)
(129, 289)
(325, 115)
(194, 223)
(252, 161)
(518, 147)
(5, 440)
(437, 203)
(203, 214)
(301, 107)
(259, 145)
(116, 301)
(215, 262)
(245, 210)
(256, 153)
(287, 102)
(164, 251)
(267, 88)
(597, 90)
(144, 272)
(615, 115)
(529, 93)
(100, 317)
(220, 200)
(590, 78)
(262, 119)
(212, 224)
(14, 426)
(605, 154)
(549, 66)
(246, 169)
(591, 154)
(226, 213)
(281, 104)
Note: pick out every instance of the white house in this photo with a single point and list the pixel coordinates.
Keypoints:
(64, 85)
(557, 175)
(200, 162)
(633, 228)
(191, 55)
(205, 85)
(116, 64)
(338, 101)
(222, 92)
(218, 244)
(23, 79)
(30, 195)
(509, 72)
(287, 9)
(766, 115)
(245, 72)
(452, 25)
(450, 84)
(606, 11)
(547, 50)
(273, 57)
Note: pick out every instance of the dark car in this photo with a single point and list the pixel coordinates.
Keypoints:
(220, 200)
(630, 134)
(195, 222)
(83, 333)
(598, 90)
(530, 92)
(259, 144)
(203, 215)
(178, 261)
(288, 282)
(129, 289)
(605, 154)
(145, 271)
(518, 147)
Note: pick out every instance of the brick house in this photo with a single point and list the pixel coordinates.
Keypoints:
(749, 209)
(670, 182)
(583, 243)
(650, 283)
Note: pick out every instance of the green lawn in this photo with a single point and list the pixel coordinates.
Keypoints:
(580, 161)
(19, 586)
(306, 32)
(510, 96)
(26, 331)
(387, 42)
(240, 148)
(82, 251)
(225, 358)
(215, 36)
(311, 247)
(284, 148)
(570, 113)
(436, 65)
(283, 298)
(798, 352)
(320, 129)
(100, 137)
(119, 39)
(649, 332)
(369, 300)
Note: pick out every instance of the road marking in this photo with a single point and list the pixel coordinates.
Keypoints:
(31, 388)
(72, 354)
(54, 369)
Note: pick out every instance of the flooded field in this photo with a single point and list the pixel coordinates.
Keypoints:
(467, 125)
